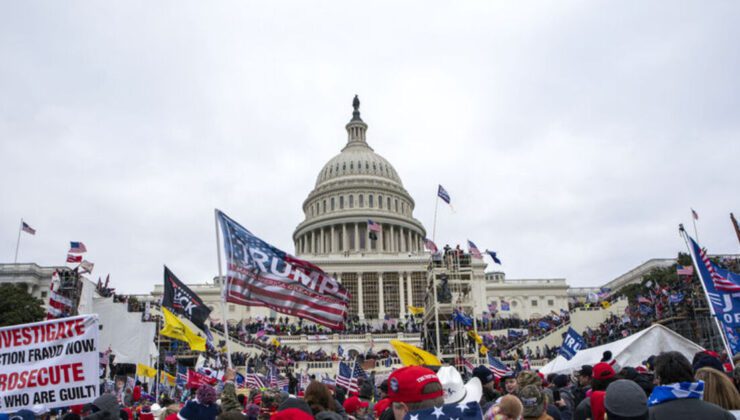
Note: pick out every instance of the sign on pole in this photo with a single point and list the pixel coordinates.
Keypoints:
(572, 343)
(51, 363)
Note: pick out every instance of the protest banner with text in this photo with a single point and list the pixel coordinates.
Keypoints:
(52, 363)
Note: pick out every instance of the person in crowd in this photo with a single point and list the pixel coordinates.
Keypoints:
(488, 381)
(511, 386)
(507, 407)
(562, 396)
(356, 408)
(320, 400)
(527, 378)
(643, 379)
(533, 403)
(592, 407)
(719, 390)
(105, 407)
(625, 400)
(678, 396)
(414, 388)
(583, 384)
(293, 408)
(202, 407)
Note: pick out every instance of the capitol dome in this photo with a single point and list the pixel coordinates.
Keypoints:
(352, 187)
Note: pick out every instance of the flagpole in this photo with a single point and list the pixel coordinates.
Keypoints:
(223, 296)
(434, 225)
(706, 294)
(18, 242)
(693, 220)
(159, 355)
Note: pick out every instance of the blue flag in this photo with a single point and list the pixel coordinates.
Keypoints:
(494, 257)
(461, 318)
(443, 194)
(340, 351)
(461, 411)
(543, 324)
(571, 344)
(722, 286)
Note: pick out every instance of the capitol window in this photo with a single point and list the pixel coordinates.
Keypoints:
(396, 205)
(332, 204)
(370, 201)
(534, 302)
(324, 206)
(341, 202)
(361, 201)
(351, 201)
(380, 201)
(388, 201)
(550, 302)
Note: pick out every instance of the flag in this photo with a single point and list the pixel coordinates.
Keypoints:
(494, 257)
(340, 351)
(497, 367)
(275, 342)
(259, 274)
(71, 258)
(722, 279)
(195, 379)
(179, 299)
(605, 304)
(146, 371)
(87, 267)
(431, 246)
(348, 378)
(182, 376)
(255, 381)
(735, 225)
(165, 377)
(460, 317)
(304, 381)
(468, 366)
(694, 214)
(414, 356)
(572, 343)
(459, 411)
(543, 324)
(27, 229)
(684, 271)
(492, 307)
(475, 336)
(416, 310)
(676, 297)
(240, 380)
(474, 251)
(174, 328)
(644, 300)
(443, 194)
(526, 365)
(505, 305)
(77, 248)
(388, 362)
(372, 226)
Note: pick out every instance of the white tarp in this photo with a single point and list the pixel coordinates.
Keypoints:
(629, 351)
(86, 297)
(50, 363)
(130, 339)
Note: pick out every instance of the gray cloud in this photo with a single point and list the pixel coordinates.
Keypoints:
(573, 136)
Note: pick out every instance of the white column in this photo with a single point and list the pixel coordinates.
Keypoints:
(381, 300)
(357, 238)
(313, 243)
(381, 246)
(409, 290)
(360, 300)
(401, 300)
(393, 241)
(344, 237)
(410, 244)
(332, 245)
(402, 235)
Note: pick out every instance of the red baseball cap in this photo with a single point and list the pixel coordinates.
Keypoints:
(352, 404)
(603, 370)
(406, 384)
(381, 406)
(292, 413)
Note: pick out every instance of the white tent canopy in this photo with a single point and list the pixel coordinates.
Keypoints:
(629, 351)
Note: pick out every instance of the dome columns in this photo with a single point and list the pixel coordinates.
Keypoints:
(352, 237)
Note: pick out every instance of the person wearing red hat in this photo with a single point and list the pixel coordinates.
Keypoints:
(354, 407)
(414, 388)
(592, 407)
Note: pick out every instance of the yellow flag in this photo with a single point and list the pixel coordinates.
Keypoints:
(483, 350)
(164, 376)
(605, 304)
(174, 328)
(416, 310)
(275, 342)
(474, 335)
(144, 370)
(414, 356)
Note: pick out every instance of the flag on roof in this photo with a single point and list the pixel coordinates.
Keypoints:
(71, 258)
(258, 274)
(493, 257)
(474, 251)
(443, 194)
(431, 246)
(372, 226)
(77, 248)
(685, 270)
(497, 367)
(26, 228)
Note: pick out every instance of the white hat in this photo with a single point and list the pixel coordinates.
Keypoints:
(157, 409)
(454, 390)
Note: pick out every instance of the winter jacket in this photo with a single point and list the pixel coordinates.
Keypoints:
(689, 409)
(229, 402)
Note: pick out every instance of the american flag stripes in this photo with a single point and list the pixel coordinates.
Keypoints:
(59, 305)
(474, 251)
(431, 246)
(77, 248)
(722, 283)
(255, 381)
(347, 377)
(373, 226)
(258, 274)
(26, 228)
(684, 271)
(497, 367)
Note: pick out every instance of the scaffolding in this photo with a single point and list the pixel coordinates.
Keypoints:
(449, 288)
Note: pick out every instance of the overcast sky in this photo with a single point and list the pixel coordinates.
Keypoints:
(573, 136)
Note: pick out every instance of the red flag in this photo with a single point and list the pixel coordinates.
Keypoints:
(196, 379)
(74, 258)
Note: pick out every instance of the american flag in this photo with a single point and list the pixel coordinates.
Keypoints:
(443, 194)
(467, 366)
(59, 305)
(347, 378)
(474, 251)
(684, 271)
(497, 367)
(259, 274)
(372, 226)
(77, 247)
(305, 381)
(327, 380)
(722, 283)
(26, 228)
(255, 380)
(460, 411)
(182, 376)
(431, 246)
(526, 365)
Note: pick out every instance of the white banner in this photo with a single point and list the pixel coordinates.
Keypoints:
(52, 363)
